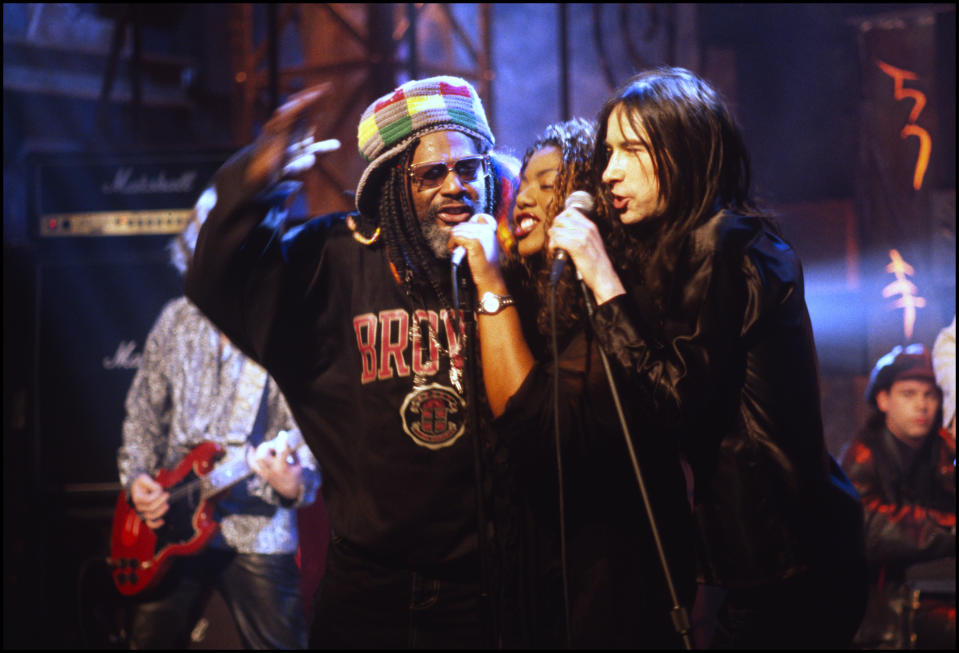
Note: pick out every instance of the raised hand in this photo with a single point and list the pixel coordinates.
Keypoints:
(287, 138)
(478, 237)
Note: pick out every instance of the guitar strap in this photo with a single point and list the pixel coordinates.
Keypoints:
(259, 424)
(238, 498)
(247, 418)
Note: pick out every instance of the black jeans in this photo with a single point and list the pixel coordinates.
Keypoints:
(261, 591)
(361, 603)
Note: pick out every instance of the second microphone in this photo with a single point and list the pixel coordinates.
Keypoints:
(582, 202)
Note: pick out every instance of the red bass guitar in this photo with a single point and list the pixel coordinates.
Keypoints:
(139, 555)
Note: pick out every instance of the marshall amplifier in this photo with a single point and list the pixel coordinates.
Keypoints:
(83, 195)
(101, 225)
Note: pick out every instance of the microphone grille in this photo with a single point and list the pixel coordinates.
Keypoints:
(581, 201)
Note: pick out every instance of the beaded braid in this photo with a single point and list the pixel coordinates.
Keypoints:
(406, 248)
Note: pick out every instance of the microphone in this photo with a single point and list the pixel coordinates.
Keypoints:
(582, 202)
(460, 252)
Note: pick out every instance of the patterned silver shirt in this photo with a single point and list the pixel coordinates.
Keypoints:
(189, 389)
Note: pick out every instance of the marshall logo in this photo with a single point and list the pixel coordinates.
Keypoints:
(126, 184)
(124, 358)
(433, 416)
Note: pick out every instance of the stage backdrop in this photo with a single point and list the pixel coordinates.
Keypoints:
(905, 186)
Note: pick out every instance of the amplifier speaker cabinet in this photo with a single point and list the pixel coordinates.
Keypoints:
(100, 224)
(93, 318)
(97, 275)
(100, 274)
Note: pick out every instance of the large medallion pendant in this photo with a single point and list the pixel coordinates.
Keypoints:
(434, 416)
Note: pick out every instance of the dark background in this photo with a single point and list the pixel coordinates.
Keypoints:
(162, 90)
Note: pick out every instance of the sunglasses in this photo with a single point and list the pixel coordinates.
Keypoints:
(433, 173)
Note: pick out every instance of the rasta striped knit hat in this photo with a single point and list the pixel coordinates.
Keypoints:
(417, 107)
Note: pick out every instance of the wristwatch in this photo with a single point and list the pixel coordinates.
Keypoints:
(491, 303)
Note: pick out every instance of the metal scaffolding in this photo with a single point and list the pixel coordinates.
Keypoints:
(365, 50)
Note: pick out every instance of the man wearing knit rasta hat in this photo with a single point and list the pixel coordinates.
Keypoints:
(904, 468)
(353, 315)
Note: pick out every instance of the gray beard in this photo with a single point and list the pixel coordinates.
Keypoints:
(437, 238)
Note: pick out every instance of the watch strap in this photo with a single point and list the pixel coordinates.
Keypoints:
(502, 301)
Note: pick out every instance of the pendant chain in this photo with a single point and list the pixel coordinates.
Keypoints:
(453, 352)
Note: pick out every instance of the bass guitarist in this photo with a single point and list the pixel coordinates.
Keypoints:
(193, 387)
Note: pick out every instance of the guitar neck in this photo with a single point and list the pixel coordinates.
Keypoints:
(229, 474)
(225, 476)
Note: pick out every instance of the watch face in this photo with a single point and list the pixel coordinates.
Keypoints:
(490, 303)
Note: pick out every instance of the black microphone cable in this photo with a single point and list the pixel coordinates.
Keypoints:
(559, 467)
(677, 613)
(488, 607)
(582, 201)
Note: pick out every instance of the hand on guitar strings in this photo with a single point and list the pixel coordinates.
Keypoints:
(150, 500)
(277, 463)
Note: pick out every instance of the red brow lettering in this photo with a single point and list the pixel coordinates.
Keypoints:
(364, 326)
(431, 365)
(390, 348)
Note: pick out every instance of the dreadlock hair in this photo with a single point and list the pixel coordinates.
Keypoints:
(409, 254)
(574, 139)
(699, 159)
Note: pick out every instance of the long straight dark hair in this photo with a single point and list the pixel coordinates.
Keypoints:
(699, 158)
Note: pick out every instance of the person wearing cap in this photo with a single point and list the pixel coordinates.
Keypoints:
(904, 468)
(353, 314)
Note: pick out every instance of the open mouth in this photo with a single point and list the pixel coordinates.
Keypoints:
(525, 223)
(620, 203)
(454, 214)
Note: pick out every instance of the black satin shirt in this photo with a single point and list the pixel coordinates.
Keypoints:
(729, 369)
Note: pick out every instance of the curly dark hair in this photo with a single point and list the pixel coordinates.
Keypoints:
(574, 140)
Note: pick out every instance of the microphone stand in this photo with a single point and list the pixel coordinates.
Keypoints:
(463, 286)
(558, 445)
(677, 613)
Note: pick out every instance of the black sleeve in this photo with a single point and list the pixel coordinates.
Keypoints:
(238, 269)
(584, 404)
(678, 367)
